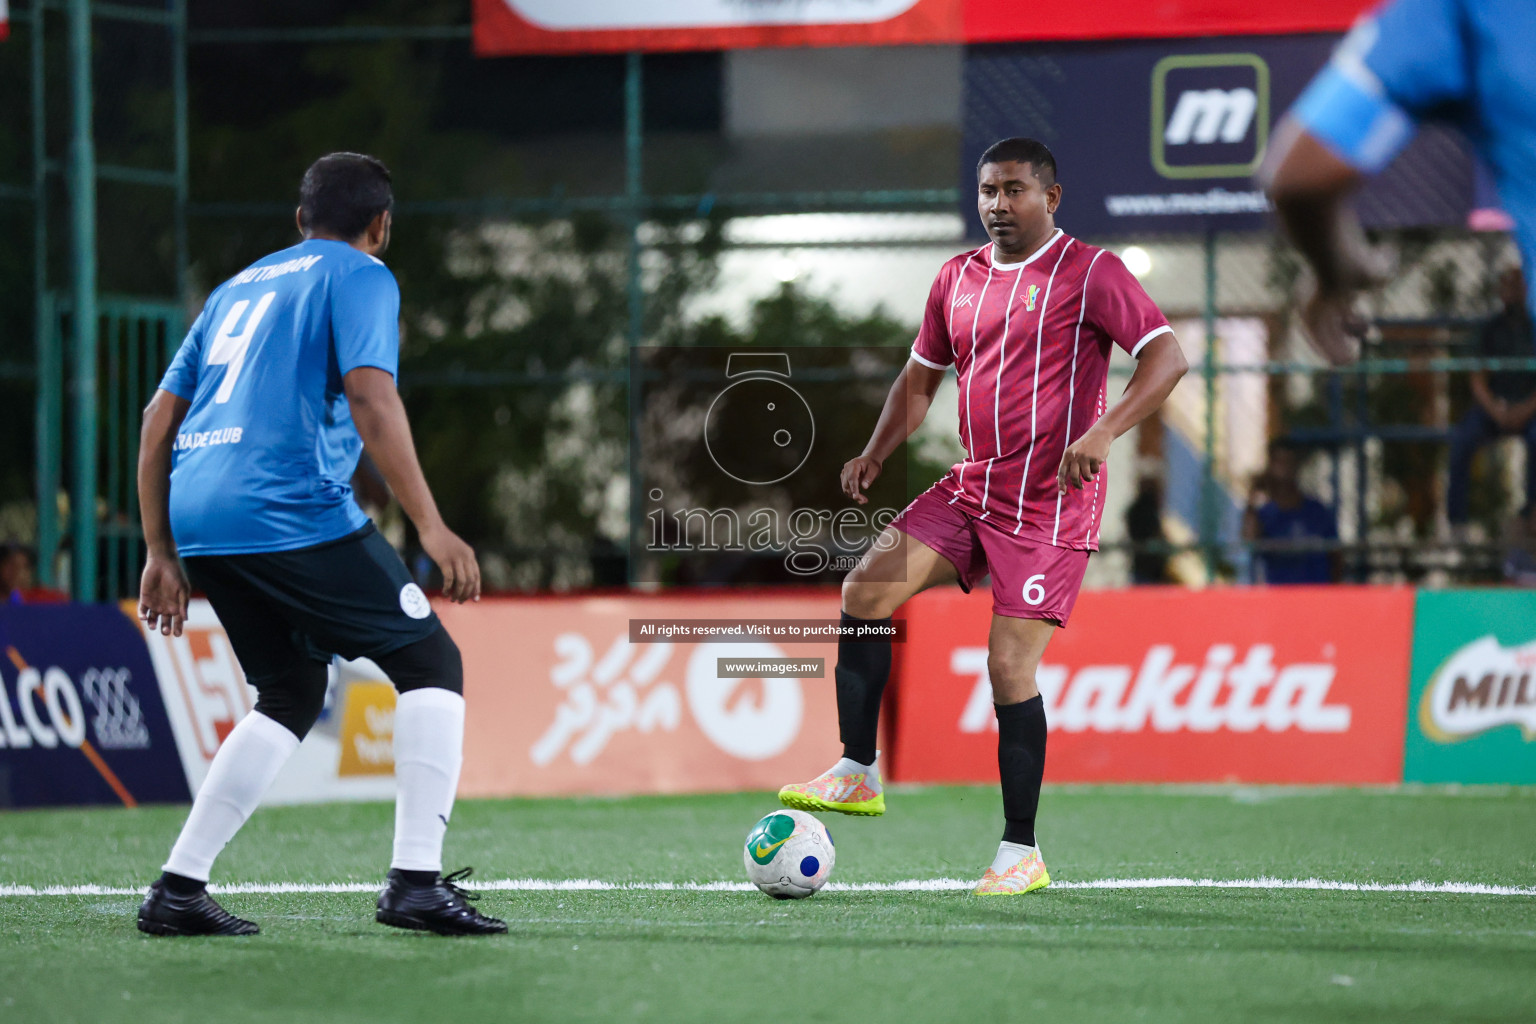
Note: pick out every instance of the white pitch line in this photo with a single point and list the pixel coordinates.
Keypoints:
(910, 885)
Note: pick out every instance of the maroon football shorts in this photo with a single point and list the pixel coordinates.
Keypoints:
(1030, 579)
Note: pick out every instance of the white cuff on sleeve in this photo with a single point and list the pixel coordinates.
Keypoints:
(1154, 332)
(931, 364)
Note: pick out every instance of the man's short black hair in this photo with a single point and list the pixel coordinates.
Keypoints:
(342, 192)
(1024, 151)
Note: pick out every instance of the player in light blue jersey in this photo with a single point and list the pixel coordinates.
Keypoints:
(1469, 62)
(245, 460)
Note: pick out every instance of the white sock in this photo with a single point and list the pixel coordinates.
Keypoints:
(846, 766)
(1009, 854)
(429, 750)
(247, 762)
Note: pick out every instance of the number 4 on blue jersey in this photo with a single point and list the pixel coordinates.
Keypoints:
(229, 349)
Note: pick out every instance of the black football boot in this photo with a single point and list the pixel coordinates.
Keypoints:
(164, 912)
(439, 906)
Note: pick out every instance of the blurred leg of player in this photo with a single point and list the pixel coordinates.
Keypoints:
(897, 567)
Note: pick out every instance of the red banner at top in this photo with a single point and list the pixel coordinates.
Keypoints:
(505, 27)
(1009, 21)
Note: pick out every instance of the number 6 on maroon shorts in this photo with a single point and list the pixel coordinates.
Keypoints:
(1030, 579)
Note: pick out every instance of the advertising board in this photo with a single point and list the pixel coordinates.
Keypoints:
(1164, 135)
(1472, 699)
(562, 700)
(81, 717)
(1280, 685)
(599, 26)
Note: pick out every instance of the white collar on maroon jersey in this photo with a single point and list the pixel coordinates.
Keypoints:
(1004, 267)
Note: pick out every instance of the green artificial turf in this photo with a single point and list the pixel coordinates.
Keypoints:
(637, 955)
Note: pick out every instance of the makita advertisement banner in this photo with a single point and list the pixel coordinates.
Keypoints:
(81, 720)
(1472, 699)
(612, 694)
(1166, 135)
(611, 26)
(1280, 685)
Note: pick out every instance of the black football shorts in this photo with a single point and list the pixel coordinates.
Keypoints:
(353, 597)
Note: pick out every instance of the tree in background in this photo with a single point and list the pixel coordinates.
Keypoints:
(514, 332)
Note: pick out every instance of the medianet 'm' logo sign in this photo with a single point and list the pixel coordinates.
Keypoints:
(1482, 686)
(1204, 115)
(1210, 115)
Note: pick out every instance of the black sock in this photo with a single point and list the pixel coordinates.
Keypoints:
(418, 877)
(1021, 764)
(181, 885)
(862, 669)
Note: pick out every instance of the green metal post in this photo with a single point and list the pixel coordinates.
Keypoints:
(114, 539)
(634, 190)
(82, 202)
(49, 401)
(140, 339)
(634, 194)
(1209, 522)
(179, 112)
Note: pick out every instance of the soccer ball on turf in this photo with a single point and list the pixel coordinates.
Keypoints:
(789, 855)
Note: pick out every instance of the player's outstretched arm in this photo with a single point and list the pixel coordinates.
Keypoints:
(163, 590)
(1311, 187)
(905, 407)
(1158, 368)
(380, 418)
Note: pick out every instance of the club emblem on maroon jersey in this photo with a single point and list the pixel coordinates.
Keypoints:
(1030, 294)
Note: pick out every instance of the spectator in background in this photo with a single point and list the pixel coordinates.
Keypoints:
(15, 573)
(1144, 525)
(1520, 548)
(1504, 401)
(1283, 516)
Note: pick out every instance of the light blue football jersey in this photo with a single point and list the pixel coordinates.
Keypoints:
(265, 457)
(1469, 62)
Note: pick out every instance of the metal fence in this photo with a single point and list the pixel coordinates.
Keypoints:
(686, 266)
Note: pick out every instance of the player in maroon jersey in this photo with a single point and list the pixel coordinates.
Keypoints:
(1027, 321)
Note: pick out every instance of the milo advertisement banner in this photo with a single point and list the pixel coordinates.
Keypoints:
(1472, 699)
